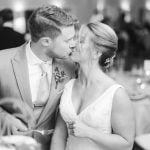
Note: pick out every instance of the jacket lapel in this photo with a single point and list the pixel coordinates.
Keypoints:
(19, 63)
(54, 97)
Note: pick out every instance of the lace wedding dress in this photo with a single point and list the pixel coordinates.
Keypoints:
(97, 115)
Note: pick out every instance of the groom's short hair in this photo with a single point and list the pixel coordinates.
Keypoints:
(47, 20)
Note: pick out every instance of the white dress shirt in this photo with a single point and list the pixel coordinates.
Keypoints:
(35, 72)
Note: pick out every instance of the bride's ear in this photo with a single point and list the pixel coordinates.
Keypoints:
(97, 54)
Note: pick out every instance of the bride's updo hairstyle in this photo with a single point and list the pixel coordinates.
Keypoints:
(104, 40)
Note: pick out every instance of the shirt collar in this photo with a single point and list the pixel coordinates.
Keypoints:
(32, 58)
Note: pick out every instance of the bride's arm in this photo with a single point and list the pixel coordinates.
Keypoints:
(123, 125)
(60, 135)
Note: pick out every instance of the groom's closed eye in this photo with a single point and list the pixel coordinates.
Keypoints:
(69, 39)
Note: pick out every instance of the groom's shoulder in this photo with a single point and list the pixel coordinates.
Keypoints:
(9, 53)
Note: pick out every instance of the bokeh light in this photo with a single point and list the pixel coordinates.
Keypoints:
(18, 6)
(125, 5)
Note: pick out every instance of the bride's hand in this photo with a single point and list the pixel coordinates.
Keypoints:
(80, 129)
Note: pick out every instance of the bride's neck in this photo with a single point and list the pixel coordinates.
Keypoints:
(90, 74)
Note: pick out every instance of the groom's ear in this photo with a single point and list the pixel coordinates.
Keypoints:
(46, 41)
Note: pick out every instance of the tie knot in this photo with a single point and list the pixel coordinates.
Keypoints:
(43, 67)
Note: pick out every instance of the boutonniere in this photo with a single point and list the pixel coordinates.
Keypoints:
(59, 75)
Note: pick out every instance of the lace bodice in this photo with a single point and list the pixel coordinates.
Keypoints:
(96, 115)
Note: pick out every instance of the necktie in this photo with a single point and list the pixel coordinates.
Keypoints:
(43, 92)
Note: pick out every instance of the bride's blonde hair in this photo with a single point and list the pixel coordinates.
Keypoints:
(104, 40)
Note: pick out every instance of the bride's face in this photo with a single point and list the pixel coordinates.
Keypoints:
(82, 52)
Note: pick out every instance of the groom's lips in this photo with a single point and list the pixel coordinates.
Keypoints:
(73, 51)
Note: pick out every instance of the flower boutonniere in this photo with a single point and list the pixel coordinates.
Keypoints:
(59, 76)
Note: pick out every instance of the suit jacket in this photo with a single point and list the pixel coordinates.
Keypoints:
(14, 82)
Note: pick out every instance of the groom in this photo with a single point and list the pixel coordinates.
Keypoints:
(36, 72)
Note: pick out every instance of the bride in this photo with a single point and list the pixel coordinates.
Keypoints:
(95, 111)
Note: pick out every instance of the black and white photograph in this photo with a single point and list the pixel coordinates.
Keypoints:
(74, 74)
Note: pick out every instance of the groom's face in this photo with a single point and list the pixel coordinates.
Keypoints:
(64, 44)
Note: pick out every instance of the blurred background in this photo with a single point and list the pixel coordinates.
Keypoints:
(129, 18)
(131, 21)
